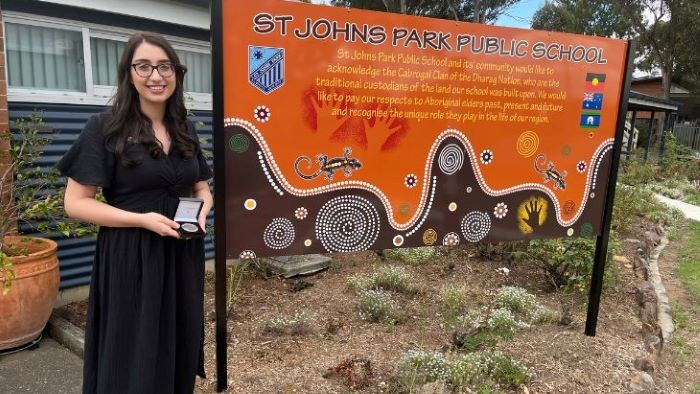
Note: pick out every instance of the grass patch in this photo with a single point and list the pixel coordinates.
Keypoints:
(481, 340)
(681, 347)
(683, 318)
(689, 263)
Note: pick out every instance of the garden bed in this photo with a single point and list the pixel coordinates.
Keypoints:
(307, 335)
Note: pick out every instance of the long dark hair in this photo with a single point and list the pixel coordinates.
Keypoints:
(129, 124)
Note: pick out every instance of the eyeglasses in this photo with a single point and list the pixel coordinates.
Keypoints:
(144, 70)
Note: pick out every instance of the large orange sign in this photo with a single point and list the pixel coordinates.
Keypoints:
(351, 130)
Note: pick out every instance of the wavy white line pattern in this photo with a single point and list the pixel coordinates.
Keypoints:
(253, 130)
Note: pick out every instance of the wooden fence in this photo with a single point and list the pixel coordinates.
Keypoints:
(688, 135)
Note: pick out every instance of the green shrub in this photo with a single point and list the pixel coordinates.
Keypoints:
(378, 306)
(543, 315)
(504, 323)
(413, 256)
(509, 372)
(453, 299)
(299, 324)
(566, 262)
(394, 278)
(360, 282)
(515, 299)
(390, 278)
(419, 367)
(463, 372)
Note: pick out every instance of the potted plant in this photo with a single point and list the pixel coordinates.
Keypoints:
(29, 276)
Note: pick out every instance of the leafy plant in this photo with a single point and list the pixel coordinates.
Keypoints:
(566, 262)
(27, 190)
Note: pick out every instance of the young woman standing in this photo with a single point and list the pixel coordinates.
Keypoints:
(144, 331)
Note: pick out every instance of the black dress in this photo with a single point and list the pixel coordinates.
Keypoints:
(144, 329)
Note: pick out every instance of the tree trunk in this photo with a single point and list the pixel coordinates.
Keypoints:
(666, 94)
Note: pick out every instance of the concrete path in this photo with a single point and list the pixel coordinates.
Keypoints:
(689, 210)
(50, 369)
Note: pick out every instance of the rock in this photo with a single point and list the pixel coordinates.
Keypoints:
(659, 230)
(642, 383)
(646, 293)
(632, 241)
(434, 388)
(648, 313)
(644, 364)
(651, 240)
(641, 267)
(652, 344)
(461, 336)
(289, 266)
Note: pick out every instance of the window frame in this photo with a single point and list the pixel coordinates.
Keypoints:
(94, 94)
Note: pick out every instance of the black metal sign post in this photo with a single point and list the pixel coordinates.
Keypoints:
(219, 191)
(601, 250)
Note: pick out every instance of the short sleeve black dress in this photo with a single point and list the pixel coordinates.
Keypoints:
(144, 329)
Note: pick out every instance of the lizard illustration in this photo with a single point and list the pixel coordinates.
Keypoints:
(329, 167)
(547, 168)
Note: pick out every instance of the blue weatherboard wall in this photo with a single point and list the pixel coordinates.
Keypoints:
(65, 122)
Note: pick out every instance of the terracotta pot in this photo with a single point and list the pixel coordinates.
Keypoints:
(26, 308)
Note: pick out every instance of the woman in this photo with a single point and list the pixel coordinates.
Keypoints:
(144, 331)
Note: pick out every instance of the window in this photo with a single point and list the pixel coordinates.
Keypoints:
(105, 58)
(198, 77)
(44, 58)
(62, 61)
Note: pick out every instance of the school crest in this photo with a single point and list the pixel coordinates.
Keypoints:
(266, 68)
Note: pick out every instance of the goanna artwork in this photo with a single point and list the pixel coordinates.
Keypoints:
(350, 146)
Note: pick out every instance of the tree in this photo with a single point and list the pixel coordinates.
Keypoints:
(590, 17)
(667, 34)
(666, 31)
(481, 11)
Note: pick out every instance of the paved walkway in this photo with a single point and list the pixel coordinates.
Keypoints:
(689, 210)
(50, 368)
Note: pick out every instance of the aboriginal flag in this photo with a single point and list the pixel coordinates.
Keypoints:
(595, 83)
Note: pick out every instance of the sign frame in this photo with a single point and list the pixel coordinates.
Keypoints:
(220, 180)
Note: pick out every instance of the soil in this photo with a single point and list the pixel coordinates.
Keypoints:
(563, 358)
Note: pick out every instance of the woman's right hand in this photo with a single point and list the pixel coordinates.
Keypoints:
(160, 224)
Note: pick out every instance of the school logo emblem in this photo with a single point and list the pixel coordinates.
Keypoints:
(266, 68)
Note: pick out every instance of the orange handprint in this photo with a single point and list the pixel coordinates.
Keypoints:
(384, 131)
(322, 109)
